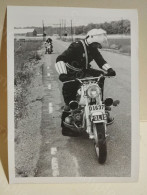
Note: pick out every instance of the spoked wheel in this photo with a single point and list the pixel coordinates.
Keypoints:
(100, 142)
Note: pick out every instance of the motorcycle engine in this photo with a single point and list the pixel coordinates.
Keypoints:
(76, 117)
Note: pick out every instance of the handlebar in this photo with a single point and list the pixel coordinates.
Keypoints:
(89, 78)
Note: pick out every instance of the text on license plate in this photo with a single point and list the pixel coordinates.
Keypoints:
(96, 107)
(99, 117)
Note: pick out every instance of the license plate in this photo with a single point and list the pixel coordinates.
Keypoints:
(96, 107)
(99, 117)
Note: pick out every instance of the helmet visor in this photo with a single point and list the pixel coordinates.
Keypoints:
(102, 39)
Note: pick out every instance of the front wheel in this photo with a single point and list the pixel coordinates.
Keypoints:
(100, 142)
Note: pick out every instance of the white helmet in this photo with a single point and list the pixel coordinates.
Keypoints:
(97, 36)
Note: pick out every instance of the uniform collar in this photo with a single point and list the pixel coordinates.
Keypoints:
(86, 42)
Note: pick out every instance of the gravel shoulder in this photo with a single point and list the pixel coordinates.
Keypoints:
(27, 132)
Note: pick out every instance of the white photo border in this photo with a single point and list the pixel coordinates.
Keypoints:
(133, 17)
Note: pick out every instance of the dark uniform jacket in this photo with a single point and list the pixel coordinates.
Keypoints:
(75, 56)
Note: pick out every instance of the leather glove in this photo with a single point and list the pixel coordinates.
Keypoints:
(64, 77)
(111, 72)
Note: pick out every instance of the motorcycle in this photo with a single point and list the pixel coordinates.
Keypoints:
(49, 48)
(89, 113)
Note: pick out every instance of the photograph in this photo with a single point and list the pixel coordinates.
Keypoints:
(73, 111)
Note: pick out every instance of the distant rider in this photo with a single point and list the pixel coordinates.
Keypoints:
(48, 43)
(71, 64)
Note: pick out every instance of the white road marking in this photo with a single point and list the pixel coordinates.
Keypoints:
(76, 166)
(48, 74)
(47, 142)
(53, 151)
(50, 108)
(49, 86)
(55, 167)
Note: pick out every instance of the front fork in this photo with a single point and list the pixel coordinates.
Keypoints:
(88, 123)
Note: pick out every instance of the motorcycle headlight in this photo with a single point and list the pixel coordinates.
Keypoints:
(93, 91)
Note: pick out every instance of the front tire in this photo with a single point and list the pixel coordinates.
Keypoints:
(100, 142)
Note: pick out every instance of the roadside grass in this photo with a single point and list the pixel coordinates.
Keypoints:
(25, 51)
(28, 94)
(120, 42)
(25, 56)
(122, 45)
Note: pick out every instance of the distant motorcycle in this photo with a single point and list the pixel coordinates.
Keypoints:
(89, 113)
(49, 48)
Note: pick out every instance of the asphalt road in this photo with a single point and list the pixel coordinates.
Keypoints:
(75, 157)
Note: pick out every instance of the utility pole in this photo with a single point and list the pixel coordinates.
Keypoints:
(122, 28)
(60, 29)
(43, 30)
(62, 26)
(65, 24)
(65, 32)
(74, 30)
(71, 32)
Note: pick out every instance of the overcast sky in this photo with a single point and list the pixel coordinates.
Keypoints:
(26, 16)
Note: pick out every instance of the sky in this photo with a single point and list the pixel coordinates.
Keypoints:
(27, 16)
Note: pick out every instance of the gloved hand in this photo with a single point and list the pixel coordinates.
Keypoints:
(111, 72)
(64, 77)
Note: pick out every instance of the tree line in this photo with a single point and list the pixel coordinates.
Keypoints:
(113, 27)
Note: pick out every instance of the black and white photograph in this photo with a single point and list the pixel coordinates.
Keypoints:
(73, 111)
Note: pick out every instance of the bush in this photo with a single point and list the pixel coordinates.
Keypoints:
(114, 46)
(19, 102)
(37, 56)
(125, 49)
(21, 81)
(25, 51)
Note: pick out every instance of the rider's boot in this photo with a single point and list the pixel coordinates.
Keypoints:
(64, 115)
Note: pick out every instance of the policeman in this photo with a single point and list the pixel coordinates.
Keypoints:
(75, 63)
(49, 41)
